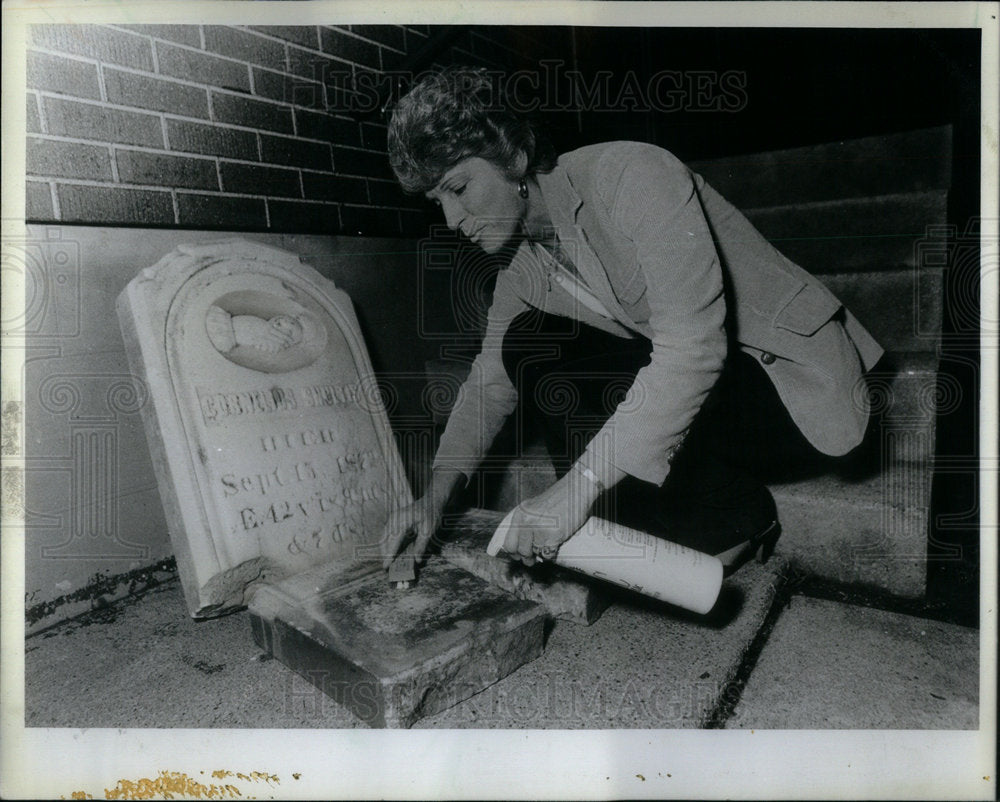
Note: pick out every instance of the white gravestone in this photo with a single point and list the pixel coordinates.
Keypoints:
(277, 471)
(271, 444)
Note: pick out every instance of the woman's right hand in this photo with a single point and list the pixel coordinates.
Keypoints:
(422, 518)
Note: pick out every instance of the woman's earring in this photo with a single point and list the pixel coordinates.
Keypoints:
(522, 188)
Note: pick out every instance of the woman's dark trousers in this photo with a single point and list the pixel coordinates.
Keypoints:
(571, 376)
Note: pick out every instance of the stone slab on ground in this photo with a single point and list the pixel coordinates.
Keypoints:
(833, 665)
(146, 663)
(390, 655)
(644, 664)
(561, 592)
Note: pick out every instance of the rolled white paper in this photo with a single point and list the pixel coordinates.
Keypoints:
(637, 561)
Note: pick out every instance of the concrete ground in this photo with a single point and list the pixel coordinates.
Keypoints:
(765, 657)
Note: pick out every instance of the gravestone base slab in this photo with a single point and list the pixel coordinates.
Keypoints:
(560, 591)
(394, 656)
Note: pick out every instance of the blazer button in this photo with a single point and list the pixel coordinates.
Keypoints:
(767, 358)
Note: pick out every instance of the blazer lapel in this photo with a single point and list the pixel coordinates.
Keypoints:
(564, 205)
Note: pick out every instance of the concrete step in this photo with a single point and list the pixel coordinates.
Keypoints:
(901, 308)
(870, 531)
(855, 234)
(907, 394)
(828, 665)
(897, 162)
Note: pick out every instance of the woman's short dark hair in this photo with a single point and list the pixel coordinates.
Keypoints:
(451, 115)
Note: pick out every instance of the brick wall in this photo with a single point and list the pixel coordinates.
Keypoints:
(222, 127)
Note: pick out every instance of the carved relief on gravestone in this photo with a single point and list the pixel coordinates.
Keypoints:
(271, 444)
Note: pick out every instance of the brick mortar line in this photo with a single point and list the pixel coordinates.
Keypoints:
(54, 193)
(107, 104)
(370, 205)
(270, 101)
(201, 30)
(208, 88)
(213, 194)
(203, 49)
(368, 40)
(338, 203)
(382, 45)
(102, 86)
(159, 76)
(355, 175)
(320, 52)
(156, 57)
(62, 54)
(118, 184)
(179, 154)
(304, 201)
(209, 193)
(130, 71)
(287, 73)
(43, 122)
(355, 147)
(146, 35)
(171, 79)
(253, 84)
(315, 171)
(163, 151)
(115, 175)
(272, 37)
(205, 52)
(252, 163)
(250, 80)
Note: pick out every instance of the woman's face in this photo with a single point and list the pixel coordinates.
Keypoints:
(479, 200)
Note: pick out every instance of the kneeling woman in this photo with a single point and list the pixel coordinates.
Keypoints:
(661, 341)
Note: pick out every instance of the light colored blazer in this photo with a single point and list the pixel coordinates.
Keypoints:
(672, 260)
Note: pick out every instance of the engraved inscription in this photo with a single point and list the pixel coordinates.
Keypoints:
(330, 395)
(262, 483)
(314, 506)
(217, 407)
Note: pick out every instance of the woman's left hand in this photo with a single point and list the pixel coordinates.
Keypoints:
(542, 523)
